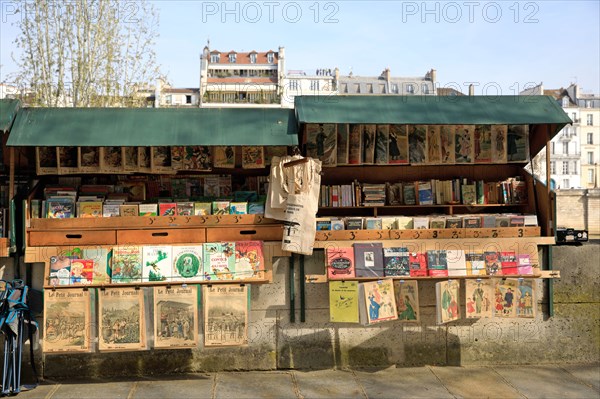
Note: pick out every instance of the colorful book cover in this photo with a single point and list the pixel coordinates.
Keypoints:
(340, 263)
(425, 193)
(256, 208)
(219, 261)
(373, 223)
(417, 263)
(343, 302)
(121, 319)
(389, 223)
(187, 263)
(110, 210)
(454, 223)
(377, 301)
(499, 137)
(447, 301)
(82, 272)
(526, 298)
(417, 144)
(167, 209)
(463, 144)
(382, 138)
(354, 223)
(447, 145)
(368, 144)
(249, 260)
(482, 143)
(60, 270)
(148, 209)
(398, 144)
(176, 317)
(508, 262)
(202, 208)
(505, 291)
(456, 262)
(224, 156)
(405, 222)
(253, 157)
(434, 150)
(157, 263)
(185, 208)
(492, 263)
(478, 298)
(177, 152)
(129, 210)
(355, 145)
(524, 265)
(437, 263)
(517, 143)
(221, 207)
(368, 258)
(468, 194)
(475, 263)
(395, 261)
(60, 208)
(407, 300)
(337, 224)
(67, 326)
(102, 258)
(321, 143)
(472, 222)
(238, 208)
(225, 315)
(91, 209)
(197, 157)
(126, 264)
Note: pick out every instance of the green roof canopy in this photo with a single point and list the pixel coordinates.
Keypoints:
(130, 127)
(8, 111)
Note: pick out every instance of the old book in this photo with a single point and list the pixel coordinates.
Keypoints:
(354, 223)
(502, 221)
(454, 222)
(177, 152)
(355, 144)
(447, 144)
(468, 194)
(89, 159)
(463, 144)
(343, 302)
(340, 263)
(478, 298)
(253, 157)
(438, 222)
(219, 261)
(343, 144)
(90, 209)
(425, 193)
(417, 263)
(224, 156)
(505, 291)
(508, 263)
(102, 258)
(492, 263)
(373, 223)
(526, 298)
(395, 262)
(524, 264)
(517, 220)
(405, 222)
(321, 142)
(129, 210)
(148, 209)
(238, 208)
(456, 261)
(157, 263)
(60, 208)
(398, 144)
(67, 316)
(417, 144)
(377, 302)
(185, 208)
(368, 259)
(225, 315)
(167, 208)
(382, 137)
(121, 319)
(256, 208)
(82, 272)
(60, 270)
(161, 159)
(472, 222)
(488, 221)
(499, 137)
(517, 143)
(68, 160)
(437, 264)
(389, 223)
(475, 263)
(249, 260)
(46, 160)
(111, 159)
(323, 224)
(408, 193)
(420, 222)
(221, 207)
(368, 144)
(482, 144)
(447, 301)
(337, 224)
(176, 317)
(187, 263)
(407, 300)
(111, 210)
(126, 265)
(434, 151)
(202, 208)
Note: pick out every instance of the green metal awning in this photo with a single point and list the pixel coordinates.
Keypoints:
(8, 111)
(153, 127)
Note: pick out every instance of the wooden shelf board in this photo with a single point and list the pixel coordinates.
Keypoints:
(158, 284)
(445, 277)
(4, 248)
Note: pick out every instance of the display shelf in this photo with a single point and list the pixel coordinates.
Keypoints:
(448, 209)
(4, 247)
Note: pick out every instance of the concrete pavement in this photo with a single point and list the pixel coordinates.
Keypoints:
(544, 381)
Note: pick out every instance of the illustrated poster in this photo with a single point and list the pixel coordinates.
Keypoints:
(224, 156)
(448, 301)
(505, 297)
(176, 317)
(398, 145)
(417, 143)
(67, 325)
(407, 300)
(478, 298)
(463, 144)
(482, 143)
(434, 150)
(225, 315)
(499, 137)
(517, 143)
(121, 319)
(321, 143)
(447, 144)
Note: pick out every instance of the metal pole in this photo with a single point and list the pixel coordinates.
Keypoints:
(292, 291)
(302, 287)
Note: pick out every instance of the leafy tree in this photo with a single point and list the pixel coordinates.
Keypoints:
(87, 52)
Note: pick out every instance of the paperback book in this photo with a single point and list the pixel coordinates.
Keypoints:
(417, 263)
(407, 300)
(219, 261)
(187, 263)
(343, 302)
(157, 263)
(456, 261)
(377, 302)
(368, 259)
(475, 263)
(396, 262)
(437, 263)
(447, 301)
(340, 263)
(478, 298)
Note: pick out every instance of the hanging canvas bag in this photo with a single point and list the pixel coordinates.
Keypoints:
(278, 187)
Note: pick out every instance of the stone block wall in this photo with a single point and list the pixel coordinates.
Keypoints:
(579, 209)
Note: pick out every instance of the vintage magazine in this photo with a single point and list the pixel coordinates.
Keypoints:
(68, 160)
(447, 144)
(225, 315)
(253, 157)
(67, 326)
(526, 298)
(89, 159)
(517, 143)
(382, 138)
(144, 159)
(368, 144)
(478, 298)
(161, 159)
(130, 162)
(417, 144)
(505, 297)
(355, 144)
(197, 157)
(482, 143)
(321, 143)
(499, 137)
(121, 319)
(463, 144)
(343, 144)
(111, 159)
(224, 156)
(177, 157)
(249, 260)
(46, 160)
(187, 262)
(407, 300)
(343, 302)
(377, 302)
(176, 317)
(434, 148)
(447, 300)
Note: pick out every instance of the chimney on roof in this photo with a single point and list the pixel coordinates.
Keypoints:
(433, 76)
(471, 89)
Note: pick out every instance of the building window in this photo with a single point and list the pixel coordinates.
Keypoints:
(552, 168)
(565, 148)
(253, 58)
(590, 175)
(425, 88)
(370, 88)
(567, 131)
(270, 58)
(565, 101)
(565, 183)
(590, 138)
(410, 89)
(574, 168)
(314, 85)
(215, 57)
(395, 88)
(574, 117)
(293, 84)
(552, 148)
(590, 119)
(188, 99)
(565, 168)
(169, 99)
(232, 58)
(590, 158)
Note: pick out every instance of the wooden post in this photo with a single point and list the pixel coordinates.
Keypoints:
(11, 173)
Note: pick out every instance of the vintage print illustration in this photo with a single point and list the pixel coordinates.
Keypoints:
(499, 137)
(67, 325)
(121, 319)
(47, 160)
(197, 157)
(161, 158)
(434, 149)
(517, 143)
(368, 144)
(382, 138)
(225, 315)
(89, 159)
(478, 298)
(355, 145)
(126, 264)
(448, 300)
(249, 260)
(68, 159)
(157, 263)
(131, 158)
(224, 156)
(274, 151)
(379, 301)
(219, 261)
(112, 159)
(463, 144)
(343, 302)
(321, 143)
(145, 159)
(407, 300)
(482, 143)
(187, 263)
(505, 297)
(343, 145)
(253, 157)
(398, 144)
(417, 144)
(176, 317)
(177, 157)
(447, 144)
(526, 298)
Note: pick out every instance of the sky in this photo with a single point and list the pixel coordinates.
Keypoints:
(501, 47)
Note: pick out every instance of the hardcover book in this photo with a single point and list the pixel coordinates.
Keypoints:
(395, 261)
(167, 209)
(249, 260)
(225, 315)
(157, 263)
(368, 144)
(148, 209)
(126, 264)
(505, 291)
(407, 300)
(368, 258)
(221, 207)
(482, 140)
(409, 195)
(187, 263)
(321, 143)
(417, 263)
(475, 263)
(478, 298)
(398, 145)
(377, 302)
(253, 157)
(456, 261)
(224, 156)
(202, 208)
(468, 194)
(508, 262)
(382, 137)
(417, 144)
(447, 301)
(340, 263)
(355, 145)
(121, 319)
(499, 137)
(67, 326)
(343, 144)
(343, 302)
(176, 317)
(437, 263)
(219, 261)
